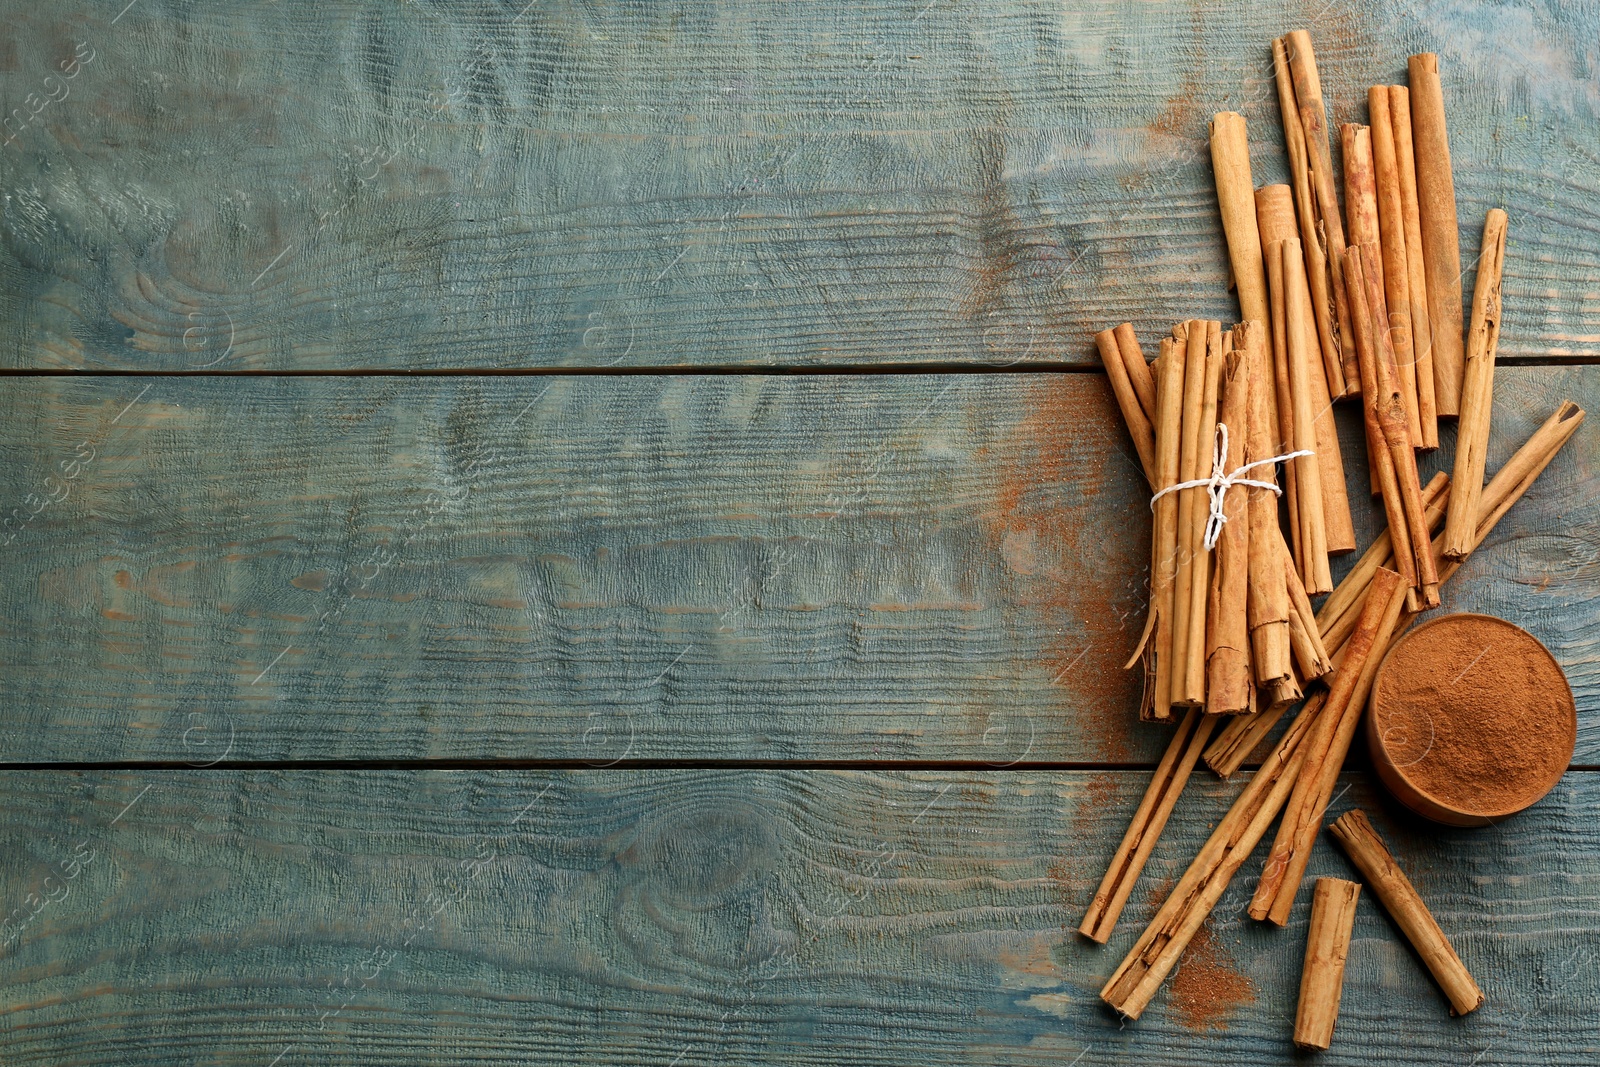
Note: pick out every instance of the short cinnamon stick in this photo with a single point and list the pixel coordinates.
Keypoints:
(1133, 413)
(1326, 750)
(1230, 164)
(1477, 390)
(1333, 917)
(1240, 735)
(1441, 243)
(1416, 271)
(1172, 773)
(1354, 832)
(1396, 267)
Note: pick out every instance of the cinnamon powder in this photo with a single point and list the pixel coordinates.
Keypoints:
(1475, 714)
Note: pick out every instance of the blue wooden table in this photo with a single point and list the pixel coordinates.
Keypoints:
(594, 533)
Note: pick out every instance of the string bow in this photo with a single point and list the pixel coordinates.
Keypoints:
(1222, 480)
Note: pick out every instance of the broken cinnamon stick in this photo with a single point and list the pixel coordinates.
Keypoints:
(1230, 163)
(1133, 413)
(1441, 243)
(1477, 390)
(1396, 267)
(1416, 271)
(1148, 821)
(1333, 917)
(1326, 749)
(1354, 832)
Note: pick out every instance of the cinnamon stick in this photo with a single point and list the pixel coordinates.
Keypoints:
(1403, 458)
(1148, 821)
(1472, 437)
(1194, 463)
(1333, 917)
(1441, 247)
(1305, 639)
(1416, 271)
(1326, 749)
(1313, 535)
(1164, 538)
(1361, 201)
(1230, 163)
(1328, 225)
(1228, 681)
(1193, 691)
(1396, 266)
(1133, 413)
(1275, 215)
(1240, 735)
(1268, 595)
(1378, 454)
(1136, 979)
(1283, 426)
(1139, 375)
(1354, 832)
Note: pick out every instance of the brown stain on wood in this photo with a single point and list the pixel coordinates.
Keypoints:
(1059, 449)
(1207, 987)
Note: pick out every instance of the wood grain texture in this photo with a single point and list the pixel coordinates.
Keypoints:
(724, 917)
(597, 568)
(304, 185)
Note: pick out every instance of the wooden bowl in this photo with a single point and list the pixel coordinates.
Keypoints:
(1470, 720)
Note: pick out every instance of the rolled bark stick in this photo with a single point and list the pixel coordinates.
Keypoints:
(1396, 267)
(1194, 463)
(1529, 461)
(1133, 413)
(1326, 750)
(1333, 917)
(1416, 271)
(1378, 454)
(1164, 543)
(1313, 536)
(1240, 735)
(1193, 692)
(1153, 956)
(1230, 163)
(1194, 729)
(1329, 225)
(1403, 458)
(1310, 654)
(1309, 230)
(1477, 390)
(1268, 596)
(1354, 832)
(1340, 611)
(1139, 375)
(1275, 215)
(1361, 203)
(1283, 426)
(1228, 681)
(1441, 241)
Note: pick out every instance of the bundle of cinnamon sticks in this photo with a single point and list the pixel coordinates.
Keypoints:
(1361, 303)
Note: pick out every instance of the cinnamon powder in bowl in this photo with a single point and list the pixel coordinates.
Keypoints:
(1471, 720)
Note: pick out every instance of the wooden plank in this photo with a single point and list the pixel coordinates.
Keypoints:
(336, 185)
(712, 917)
(594, 568)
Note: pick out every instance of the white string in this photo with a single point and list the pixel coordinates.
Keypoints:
(1218, 484)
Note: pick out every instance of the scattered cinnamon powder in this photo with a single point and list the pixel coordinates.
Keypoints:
(1475, 714)
(1206, 987)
